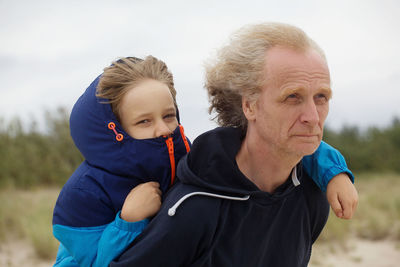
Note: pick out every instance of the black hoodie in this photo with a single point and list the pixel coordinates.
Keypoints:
(215, 216)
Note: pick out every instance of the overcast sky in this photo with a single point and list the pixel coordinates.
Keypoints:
(51, 50)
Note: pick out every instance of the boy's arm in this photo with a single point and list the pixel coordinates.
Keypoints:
(342, 196)
(95, 246)
(116, 238)
(98, 245)
(324, 164)
(328, 169)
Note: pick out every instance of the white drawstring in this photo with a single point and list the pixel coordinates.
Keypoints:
(295, 181)
(172, 210)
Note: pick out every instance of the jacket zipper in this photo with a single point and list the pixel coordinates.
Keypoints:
(184, 138)
(170, 146)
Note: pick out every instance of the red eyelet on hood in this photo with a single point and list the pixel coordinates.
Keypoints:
(119, 137)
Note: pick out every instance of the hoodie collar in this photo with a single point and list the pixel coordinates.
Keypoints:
(211, 165)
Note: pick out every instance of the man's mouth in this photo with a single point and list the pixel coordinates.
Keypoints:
(306, 135)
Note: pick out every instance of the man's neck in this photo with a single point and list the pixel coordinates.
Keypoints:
(264, 165)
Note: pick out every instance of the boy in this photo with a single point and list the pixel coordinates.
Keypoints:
(126, 125)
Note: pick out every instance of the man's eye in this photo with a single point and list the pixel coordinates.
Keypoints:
(293, 98)
(321, 98)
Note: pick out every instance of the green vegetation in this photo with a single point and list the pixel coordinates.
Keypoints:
(372, 150)
(30, 158)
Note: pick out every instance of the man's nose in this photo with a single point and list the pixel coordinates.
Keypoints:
(162, 129)
(310, 114)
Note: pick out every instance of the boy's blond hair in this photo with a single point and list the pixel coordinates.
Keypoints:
(126, 72)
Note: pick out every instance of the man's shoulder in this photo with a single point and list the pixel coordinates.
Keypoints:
(311, 190)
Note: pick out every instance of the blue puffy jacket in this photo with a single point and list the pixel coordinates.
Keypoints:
(86, 216)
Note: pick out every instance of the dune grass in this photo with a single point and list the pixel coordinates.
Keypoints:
(28, 214)
(378, 213)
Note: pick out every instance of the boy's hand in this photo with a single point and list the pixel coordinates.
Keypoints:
(142, 202)
(342, 196)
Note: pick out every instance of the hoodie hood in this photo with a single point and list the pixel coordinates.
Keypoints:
(113, 150)
(211, 165)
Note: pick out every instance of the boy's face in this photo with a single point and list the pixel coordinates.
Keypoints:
(147, 110)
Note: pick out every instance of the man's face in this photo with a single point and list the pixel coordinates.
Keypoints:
(294, 101)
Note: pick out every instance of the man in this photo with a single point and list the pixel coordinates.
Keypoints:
(243, 199)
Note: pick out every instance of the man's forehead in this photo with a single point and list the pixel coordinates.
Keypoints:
(285, 65)
(288, 75)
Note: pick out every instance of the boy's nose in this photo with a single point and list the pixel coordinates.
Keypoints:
(162, 129)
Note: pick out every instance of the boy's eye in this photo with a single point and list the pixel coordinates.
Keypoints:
(170, 116)
(142, 122)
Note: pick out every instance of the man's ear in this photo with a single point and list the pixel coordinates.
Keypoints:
(249, 108)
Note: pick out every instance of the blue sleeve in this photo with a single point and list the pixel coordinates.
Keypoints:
(95, 246)
(324, 164)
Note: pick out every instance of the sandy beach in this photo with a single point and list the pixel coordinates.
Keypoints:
(20, 253)
(357, 253)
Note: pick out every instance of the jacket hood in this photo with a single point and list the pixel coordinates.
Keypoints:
(102, 147)
(211, 165)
